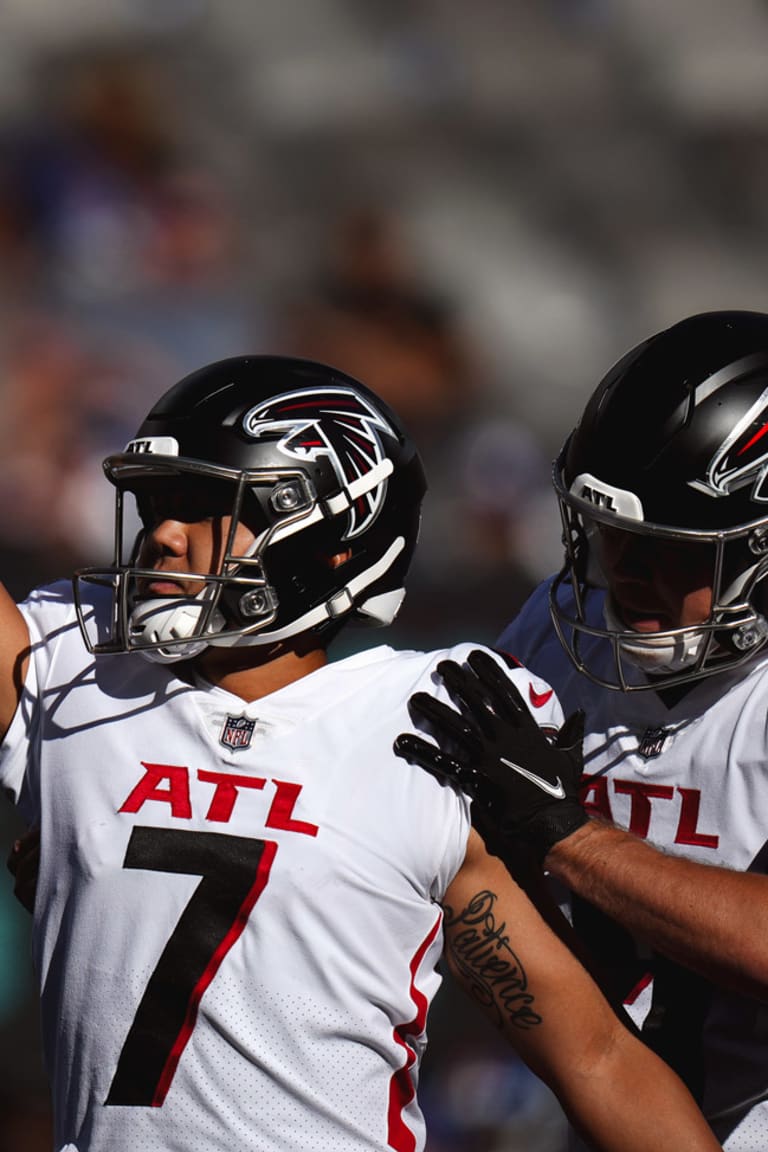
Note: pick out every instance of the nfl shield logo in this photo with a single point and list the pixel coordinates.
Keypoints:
(237, 732)
(652, 742)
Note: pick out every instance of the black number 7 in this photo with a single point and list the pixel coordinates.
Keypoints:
(234, 870)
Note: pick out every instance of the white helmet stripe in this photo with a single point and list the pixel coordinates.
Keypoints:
(335, 606)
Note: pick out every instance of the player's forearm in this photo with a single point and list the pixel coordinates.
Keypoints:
(710, 919)
(629, 1101)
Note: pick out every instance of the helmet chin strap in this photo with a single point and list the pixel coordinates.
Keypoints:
(380, 609)
(167, 621)
(659, 652)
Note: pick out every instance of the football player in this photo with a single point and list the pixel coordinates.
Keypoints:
(242, 893)
(656, 627)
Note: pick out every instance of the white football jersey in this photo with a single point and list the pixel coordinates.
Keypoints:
(238, 910)
(690, 775)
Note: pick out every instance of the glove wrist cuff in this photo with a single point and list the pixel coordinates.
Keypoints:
(553, 825)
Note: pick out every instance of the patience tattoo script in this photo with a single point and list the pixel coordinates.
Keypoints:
(493, 973)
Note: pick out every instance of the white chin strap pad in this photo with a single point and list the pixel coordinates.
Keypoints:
(161, 621)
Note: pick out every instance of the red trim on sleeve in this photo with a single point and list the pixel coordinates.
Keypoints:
(401, 1086)
(641, 985)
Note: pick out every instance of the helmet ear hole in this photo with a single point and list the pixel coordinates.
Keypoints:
(339, 558)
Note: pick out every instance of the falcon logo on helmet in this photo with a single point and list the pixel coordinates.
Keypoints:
(742, 458)
(339, 424)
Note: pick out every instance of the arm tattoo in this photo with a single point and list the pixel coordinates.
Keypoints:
(487, 965)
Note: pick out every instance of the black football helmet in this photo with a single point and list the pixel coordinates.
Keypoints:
(311, 461)
(672, 445)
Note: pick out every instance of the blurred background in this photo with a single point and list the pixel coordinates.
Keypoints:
(476, 208)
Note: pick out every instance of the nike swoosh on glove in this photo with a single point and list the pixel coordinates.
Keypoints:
(524, 784)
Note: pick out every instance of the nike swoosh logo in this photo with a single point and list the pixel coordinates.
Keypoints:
(555, 789)
(539, 699)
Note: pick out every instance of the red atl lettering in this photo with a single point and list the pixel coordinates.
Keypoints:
(176, 793)
(226, 793)
(689, 818)
(282, 810)
(640, 804)
(594, 795)
(169, 784)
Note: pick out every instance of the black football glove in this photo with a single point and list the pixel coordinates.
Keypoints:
(523, 784)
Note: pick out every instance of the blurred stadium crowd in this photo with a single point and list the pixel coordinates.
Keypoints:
(472, 207)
